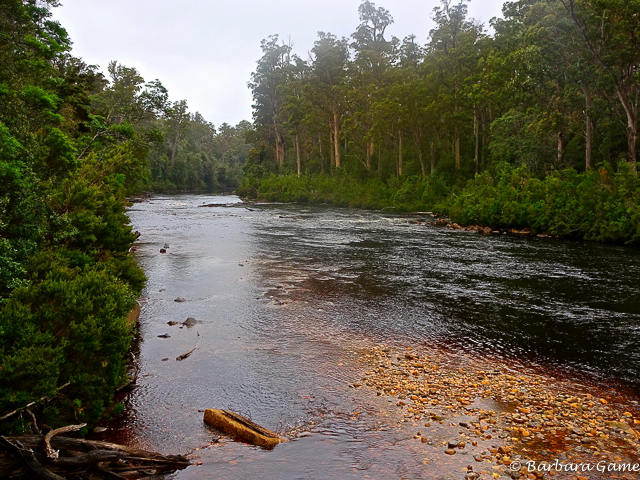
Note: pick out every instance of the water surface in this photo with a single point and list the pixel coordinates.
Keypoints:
(289, 300)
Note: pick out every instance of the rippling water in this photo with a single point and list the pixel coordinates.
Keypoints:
(289, 297)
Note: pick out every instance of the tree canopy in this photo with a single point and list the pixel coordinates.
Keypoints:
(554, 87)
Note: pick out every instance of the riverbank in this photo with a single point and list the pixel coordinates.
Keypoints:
(600, 205)
(507, 420)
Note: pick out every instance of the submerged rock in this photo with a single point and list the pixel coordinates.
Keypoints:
(190, 322)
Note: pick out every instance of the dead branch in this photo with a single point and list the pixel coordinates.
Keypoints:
(34, 422)
(50, 452)
(179, 358)
(82, 445)
(98, 459)
(43, 399)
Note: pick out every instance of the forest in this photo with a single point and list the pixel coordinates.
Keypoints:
(534, 126)
(74, 144)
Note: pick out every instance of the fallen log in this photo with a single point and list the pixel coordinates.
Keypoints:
(28, 453)
(27, 461)
(240, 427)
(179, 358)
(82, 445)
(89, 458)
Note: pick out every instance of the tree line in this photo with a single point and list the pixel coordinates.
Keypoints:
(184, 150)
(555, 88)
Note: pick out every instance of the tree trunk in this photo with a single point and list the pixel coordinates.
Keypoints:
(423, 167)
(417, 139)
(399, 154)
(298, 159)
(369, 149)
(476, 132)
(588, 131)
(174, 148)
(560, 148)
(433, 156)
(332, 152)
(632, 128)
(633, 141)
(456, 146)
(279, 147)
(336, 136)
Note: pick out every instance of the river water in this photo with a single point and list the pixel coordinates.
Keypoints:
(289, 300)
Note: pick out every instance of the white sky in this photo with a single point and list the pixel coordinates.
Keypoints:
(205, 50)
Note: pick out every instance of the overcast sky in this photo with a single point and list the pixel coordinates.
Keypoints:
(204, 51)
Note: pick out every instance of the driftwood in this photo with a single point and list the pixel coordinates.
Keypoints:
(51, 453)
(90, 459)
(240, 427)
(34, 422)
(179, 358)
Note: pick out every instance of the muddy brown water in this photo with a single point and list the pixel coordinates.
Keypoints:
(289, 299)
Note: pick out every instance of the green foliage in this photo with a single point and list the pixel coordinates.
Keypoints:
(67, 325)
(409, 194)
(67, 280)
(601, 205)
(598, 205)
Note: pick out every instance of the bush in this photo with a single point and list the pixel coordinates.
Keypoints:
(67, 325)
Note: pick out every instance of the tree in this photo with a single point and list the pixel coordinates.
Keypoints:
(452, 57)
(329, 60)
(271, 73)
(373, 51)
(611, 31)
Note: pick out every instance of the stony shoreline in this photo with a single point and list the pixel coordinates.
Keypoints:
(503, 416)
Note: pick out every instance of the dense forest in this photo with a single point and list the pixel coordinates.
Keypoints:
(533, 126)
(74, 143)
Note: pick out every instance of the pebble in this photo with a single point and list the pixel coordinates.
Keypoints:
(529, 414)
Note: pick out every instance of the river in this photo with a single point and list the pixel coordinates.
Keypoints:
(289, 299)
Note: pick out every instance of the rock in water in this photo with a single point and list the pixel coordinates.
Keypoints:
(190, 322)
